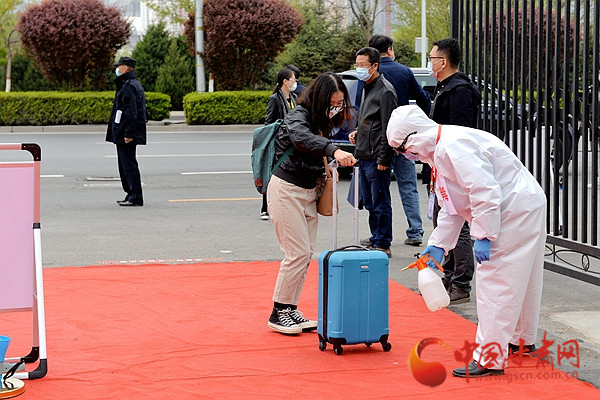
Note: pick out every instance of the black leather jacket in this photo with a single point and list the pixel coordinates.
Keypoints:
(305, 164)
(277, 106)
(371, 139)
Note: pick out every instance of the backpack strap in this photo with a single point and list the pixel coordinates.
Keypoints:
(283, 157)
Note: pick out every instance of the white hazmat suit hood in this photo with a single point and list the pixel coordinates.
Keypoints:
(406, 120)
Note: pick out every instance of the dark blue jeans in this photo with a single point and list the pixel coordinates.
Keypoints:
(406, 178)
(375, 192)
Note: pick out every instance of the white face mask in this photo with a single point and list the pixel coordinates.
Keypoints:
(411, 156)
(430, 68)
(293, 87)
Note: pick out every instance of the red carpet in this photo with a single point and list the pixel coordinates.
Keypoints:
(198, 331)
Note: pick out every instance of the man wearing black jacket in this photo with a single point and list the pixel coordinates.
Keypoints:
(457, 102)
(372, 148)
(127, 129)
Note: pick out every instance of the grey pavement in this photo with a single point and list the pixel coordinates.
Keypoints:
(173, 228)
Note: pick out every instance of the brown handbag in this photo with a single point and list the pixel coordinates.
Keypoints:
(325, 193)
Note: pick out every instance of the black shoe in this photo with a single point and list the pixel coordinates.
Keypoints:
(387, 251)
(446, 283)
(525, 352)
(458, 296)
(122, 201)
(282, 322)
(413, 242)
(130, 204)
(476, 371)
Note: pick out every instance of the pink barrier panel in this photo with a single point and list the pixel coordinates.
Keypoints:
(16, 236)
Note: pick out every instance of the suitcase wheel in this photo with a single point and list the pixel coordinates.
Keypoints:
(387, 346)
(322, 345)
(338, 350)
(368, 344)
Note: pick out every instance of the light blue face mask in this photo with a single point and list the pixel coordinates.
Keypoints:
(363, 74)
(117, 72)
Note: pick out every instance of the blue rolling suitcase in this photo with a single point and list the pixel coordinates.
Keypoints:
(353, 292)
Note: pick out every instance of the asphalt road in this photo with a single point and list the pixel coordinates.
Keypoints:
(201, 206)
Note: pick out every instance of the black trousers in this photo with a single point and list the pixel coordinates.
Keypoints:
(130, 173)
(459, 264)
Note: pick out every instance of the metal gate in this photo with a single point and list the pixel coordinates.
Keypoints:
(537, 65)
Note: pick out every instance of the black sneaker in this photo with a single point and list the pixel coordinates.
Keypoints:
(305, 324)
(413, 241)
(525, 352)
(281, 321)
(387, 251)
(458, 296)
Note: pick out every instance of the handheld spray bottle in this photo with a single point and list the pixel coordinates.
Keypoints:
(430, 284)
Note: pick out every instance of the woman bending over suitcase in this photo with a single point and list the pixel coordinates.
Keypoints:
(292, 198)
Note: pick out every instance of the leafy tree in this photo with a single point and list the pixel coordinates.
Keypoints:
(243, 36)
(174, 77)
(150, 53)
(8, 34)
(409, 13)
(312, 51)
(73, 41)
(26, 76)
(322, 44)
(169, 10)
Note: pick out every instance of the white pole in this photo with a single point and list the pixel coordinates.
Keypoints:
(424, 43)
(200, 85)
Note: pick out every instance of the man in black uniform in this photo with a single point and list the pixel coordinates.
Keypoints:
(127, 129)
(457, 102)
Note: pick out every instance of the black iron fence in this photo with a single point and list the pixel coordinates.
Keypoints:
(537, 65)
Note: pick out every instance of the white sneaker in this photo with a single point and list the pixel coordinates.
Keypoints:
(305, 324)
(264, 216)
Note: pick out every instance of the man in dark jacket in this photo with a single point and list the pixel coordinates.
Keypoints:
(457, 102)
(407, 87)
(372, 148)
(127, 129)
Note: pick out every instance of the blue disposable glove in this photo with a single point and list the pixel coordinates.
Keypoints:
(482, 250)
(437, 253)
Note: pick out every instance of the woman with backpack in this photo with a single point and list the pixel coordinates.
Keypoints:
(279, 104)
(291, 193)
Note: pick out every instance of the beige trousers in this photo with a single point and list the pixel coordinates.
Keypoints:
(293, 211)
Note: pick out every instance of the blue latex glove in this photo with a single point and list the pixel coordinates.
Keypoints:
(437, 253)
(482, 250)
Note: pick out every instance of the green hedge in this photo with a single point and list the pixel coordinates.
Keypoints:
(243, 107)
(69, 108)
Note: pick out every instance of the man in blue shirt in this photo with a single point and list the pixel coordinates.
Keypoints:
(407, 87)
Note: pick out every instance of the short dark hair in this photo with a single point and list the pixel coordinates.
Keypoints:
(317, 100)
(372, 53)
(381, 42)
(295, 69)
(451, 49)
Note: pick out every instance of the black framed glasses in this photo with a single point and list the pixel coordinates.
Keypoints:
(431, 58)
(402, 147)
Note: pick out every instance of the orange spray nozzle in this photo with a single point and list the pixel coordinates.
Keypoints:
(421, 263)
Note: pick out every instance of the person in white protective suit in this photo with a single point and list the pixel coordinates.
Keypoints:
(480, 180)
